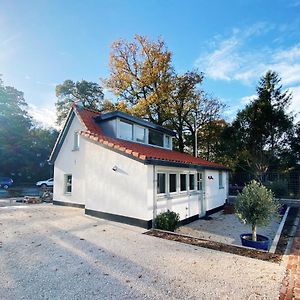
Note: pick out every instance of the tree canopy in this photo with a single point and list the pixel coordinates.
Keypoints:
(24, 147)
(261, 131)
(141, 73)
(143, 78)
(88, 94)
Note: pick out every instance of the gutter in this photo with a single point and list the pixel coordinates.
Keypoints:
(157, 162)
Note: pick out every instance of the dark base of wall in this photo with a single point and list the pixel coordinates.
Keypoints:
(55, 202)
(118, 218)
(214, 210)
(131, 221)
(189, 220)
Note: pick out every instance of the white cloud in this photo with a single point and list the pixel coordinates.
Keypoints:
(230, 59)
(221, 62)
(247, 99)
(295, 105)
(46, 116)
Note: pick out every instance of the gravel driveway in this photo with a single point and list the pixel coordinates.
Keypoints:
(52, 252)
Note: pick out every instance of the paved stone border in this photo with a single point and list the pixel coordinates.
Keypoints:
(279, 231)
(290, 288)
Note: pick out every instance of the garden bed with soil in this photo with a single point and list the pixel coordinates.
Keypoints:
(286, 234)
(276, 258)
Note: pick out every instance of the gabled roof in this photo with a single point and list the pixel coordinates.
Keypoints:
(141, 152)
(125, 116)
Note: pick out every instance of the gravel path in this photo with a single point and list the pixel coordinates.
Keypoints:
(52, 252)
(226, 229)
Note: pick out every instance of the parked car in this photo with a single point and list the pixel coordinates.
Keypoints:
(45, 183)
(5, 182)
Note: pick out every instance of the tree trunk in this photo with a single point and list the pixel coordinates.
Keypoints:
(254, 238)
(180, 142)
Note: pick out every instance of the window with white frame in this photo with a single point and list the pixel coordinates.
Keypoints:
(183, 183)
(167, 142)
(156, 138)
(68, 183)
(125, 130)
(172, 183)
(199, 181)
(140, 134)
(192, 182)
(221, 186)
(161, 183)
(76, 141)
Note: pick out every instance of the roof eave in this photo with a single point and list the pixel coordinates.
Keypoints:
(60, 140)
(167, 163)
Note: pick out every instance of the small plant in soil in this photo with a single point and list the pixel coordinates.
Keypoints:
(168, 220)
(255, 206)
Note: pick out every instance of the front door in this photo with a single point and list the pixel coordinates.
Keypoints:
(201, 195)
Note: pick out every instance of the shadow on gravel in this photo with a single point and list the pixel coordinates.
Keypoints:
(62, 265)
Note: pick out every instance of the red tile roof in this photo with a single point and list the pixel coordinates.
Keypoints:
(140, 151)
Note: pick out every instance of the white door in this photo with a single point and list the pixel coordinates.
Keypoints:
(201, 191)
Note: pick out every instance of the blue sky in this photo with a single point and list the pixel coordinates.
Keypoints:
(42, 43)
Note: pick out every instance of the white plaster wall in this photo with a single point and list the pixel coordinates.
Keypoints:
(214, 196)
(122, 192)
(185, 206)
(69, 161)
(129, 190)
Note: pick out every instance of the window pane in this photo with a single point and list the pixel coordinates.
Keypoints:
(220, 179)
(161, 183)
(125, 130)
(68, 183)
(199, 186)
(199, 176)
(76, 140)
(172, 183)
(167, 142)
(199, 181)
(140, 135)
(183, 182)
(156, 138)
(192, 182)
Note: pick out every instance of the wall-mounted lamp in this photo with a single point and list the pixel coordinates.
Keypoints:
(115, 168)
(210, 177)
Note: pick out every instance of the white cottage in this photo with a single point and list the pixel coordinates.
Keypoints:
(122, 168)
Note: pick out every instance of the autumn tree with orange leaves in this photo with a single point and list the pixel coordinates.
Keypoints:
(147, 86)
(142, 75)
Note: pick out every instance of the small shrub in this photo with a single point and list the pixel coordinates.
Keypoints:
(168, 220)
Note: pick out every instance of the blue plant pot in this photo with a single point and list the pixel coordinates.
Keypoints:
(282, 209)
(262, 242)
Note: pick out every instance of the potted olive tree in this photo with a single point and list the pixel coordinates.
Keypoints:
(255, 206)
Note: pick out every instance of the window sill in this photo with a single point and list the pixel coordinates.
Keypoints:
(221, 187)
(75, 149)
(68, 194)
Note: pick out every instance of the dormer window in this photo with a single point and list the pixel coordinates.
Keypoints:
(126, 130)
(126, 127)
(140, 134)
(156, 138)
(167, 141)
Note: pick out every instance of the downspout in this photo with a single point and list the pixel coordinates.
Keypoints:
(154, 197)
